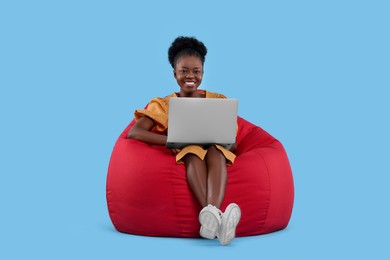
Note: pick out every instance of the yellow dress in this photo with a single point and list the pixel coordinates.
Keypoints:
(157, 110)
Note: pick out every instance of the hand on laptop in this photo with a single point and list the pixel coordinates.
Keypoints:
(233, 148)
(175, 151)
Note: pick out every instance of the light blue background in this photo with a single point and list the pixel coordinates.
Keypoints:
(314, 74)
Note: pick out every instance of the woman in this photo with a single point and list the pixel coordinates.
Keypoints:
(205, 166)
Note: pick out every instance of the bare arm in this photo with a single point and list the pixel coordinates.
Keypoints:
(141, 131)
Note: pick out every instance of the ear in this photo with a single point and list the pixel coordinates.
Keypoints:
(174, 73)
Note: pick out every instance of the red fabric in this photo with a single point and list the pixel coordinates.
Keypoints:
(147, 192)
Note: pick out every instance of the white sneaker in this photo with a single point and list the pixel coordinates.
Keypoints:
(230, 219)
(210, 219)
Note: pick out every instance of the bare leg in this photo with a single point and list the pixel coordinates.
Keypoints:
(217, 176)
(197, 177)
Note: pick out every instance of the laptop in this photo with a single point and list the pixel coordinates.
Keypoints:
(201, 121)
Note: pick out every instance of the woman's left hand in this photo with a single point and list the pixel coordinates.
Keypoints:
(233, 148)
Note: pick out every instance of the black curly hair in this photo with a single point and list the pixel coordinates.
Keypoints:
(182, 46)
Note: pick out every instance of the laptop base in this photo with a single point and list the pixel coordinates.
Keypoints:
(171, 145)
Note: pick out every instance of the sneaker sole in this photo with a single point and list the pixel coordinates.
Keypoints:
(209, 224)
(229, 224)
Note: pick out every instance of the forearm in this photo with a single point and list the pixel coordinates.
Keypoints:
(147, 137)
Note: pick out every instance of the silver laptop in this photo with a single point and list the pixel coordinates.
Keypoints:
(201, 121)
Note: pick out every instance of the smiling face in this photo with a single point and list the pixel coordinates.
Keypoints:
(188, 73)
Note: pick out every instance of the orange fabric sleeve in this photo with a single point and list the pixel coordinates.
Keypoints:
(157, 110)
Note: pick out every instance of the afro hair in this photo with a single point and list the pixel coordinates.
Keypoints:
(186, 46)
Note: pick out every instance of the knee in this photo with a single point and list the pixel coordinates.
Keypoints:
(212, 149)
(193, 162)
(214, 154)
(189, 159)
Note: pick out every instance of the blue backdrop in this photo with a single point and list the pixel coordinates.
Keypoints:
(314, 74)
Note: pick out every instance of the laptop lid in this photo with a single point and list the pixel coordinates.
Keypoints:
(201, 121)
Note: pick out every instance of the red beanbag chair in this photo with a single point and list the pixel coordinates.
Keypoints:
(147, 192)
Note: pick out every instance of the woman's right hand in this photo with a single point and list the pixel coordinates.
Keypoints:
(175, 151)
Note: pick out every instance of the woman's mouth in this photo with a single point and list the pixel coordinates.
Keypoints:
(189, 83)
